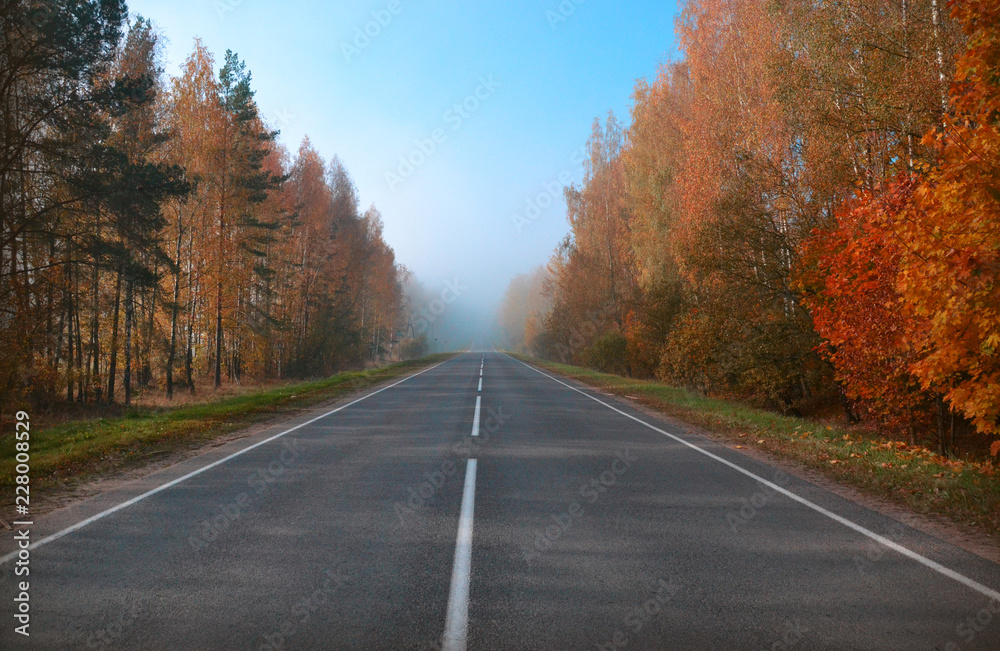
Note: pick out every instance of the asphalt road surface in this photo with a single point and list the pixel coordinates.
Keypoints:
(484, 504)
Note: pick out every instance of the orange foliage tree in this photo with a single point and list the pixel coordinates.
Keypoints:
(162, 236)
(952, 232)
(849, 279)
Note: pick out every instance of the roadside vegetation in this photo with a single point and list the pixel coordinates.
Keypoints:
(965, 491)
(75, 451)
(815, 229)
(155, 235)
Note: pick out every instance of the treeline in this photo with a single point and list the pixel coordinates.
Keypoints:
(804, 210)
(155, 236)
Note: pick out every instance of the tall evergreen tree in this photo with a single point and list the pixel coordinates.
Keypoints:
(243, 182)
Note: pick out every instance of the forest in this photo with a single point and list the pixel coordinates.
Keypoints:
(156, 237)
(803, 211)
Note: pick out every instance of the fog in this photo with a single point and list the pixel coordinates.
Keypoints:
(461, 122)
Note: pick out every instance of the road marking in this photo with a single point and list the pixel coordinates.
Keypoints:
(923, 560)
(456, 624)
(475, 419)
(480, 371)
(480, 383)
(193, 473)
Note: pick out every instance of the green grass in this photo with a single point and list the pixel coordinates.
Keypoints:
(964, 491)
(83, 449)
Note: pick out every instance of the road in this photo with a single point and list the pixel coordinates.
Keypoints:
(568, 521)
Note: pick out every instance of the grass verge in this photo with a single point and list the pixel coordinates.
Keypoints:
(966, 492)
(79, 450)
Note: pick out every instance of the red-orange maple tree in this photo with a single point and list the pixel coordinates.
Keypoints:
(851, 292)
(952, 232)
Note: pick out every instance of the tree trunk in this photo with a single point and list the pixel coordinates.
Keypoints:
(113, 360)
(59, 338)
(175, 309)
(942, 440)
(193, 301)
(69, 334)
(80, 394)
(93, 353)
(218, 335)
(147, 358)
(939, 54)
(129, 314)
(845, 404)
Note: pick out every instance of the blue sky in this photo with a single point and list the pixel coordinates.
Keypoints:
(542, 75)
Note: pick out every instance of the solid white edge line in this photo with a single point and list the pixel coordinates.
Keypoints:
(193, 473)
(923, 560)
(456, 624)
(475, 419)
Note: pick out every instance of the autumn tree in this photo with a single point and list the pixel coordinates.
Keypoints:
(241, 182)
(850, 275)
(692, 222)
(138, 185)
(593, 278)
(523, 310)
(54, 60)
(952, 234)
(147, 228)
